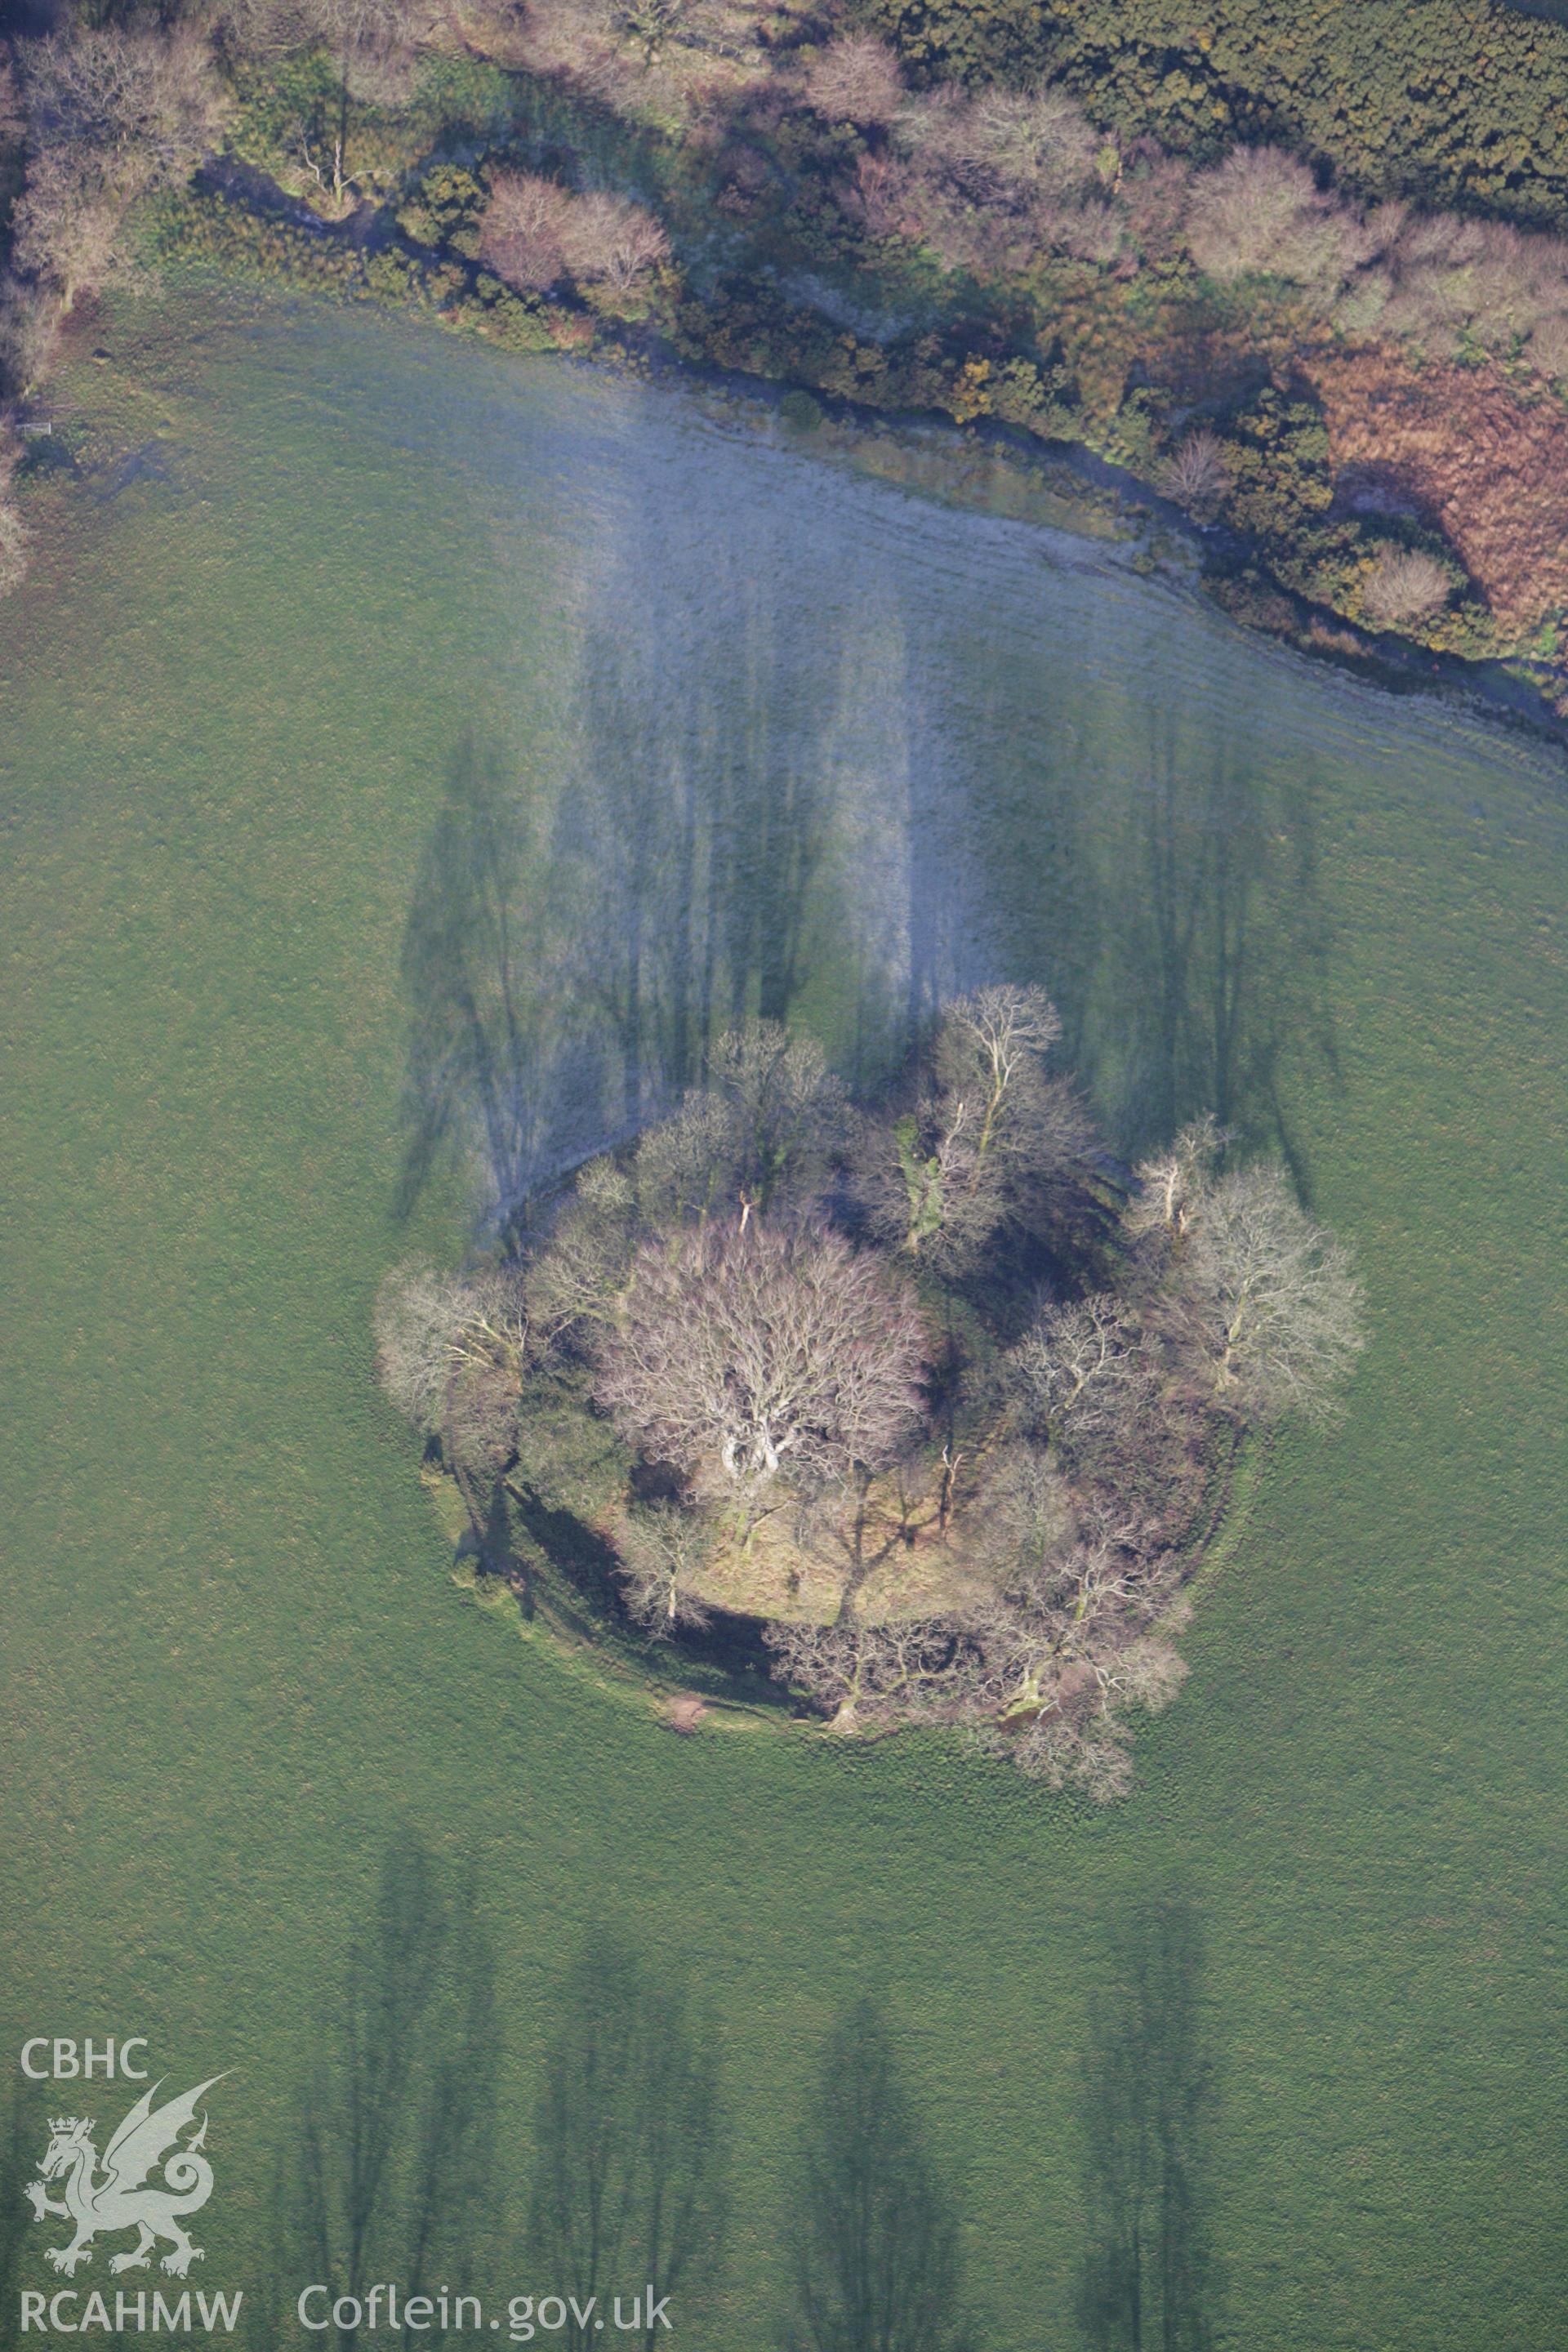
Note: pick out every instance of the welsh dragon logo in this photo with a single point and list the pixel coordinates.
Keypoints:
(120, 2196)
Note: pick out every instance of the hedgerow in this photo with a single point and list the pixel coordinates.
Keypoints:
(199, 227)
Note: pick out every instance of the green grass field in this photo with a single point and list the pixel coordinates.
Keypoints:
(237, 1672)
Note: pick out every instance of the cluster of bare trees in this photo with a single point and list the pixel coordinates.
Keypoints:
(782, 1306)
(987, 178)
(1234, 1309)
(102, 112)
(988, 1137)
(1390, 270)
(1077, 1630)
(992, 180)
(107, 113)
(536, 232)
(993, 177)
(116, 103)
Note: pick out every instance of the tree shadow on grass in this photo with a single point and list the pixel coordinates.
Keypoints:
(1149, 2277)
(697, 832)
(387, 2171)
(563, 981)
(1229, 948)
(628, 2196)
(730, 829)
(875, 2251)
(472, 964)
(1177, 914)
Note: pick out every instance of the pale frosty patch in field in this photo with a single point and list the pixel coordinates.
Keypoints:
(742, 803)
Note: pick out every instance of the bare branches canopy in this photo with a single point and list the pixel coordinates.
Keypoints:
(536, 232)
(452, 1351)
(985, 1139)
(1270, 1300)
(933, 1390)
(749, 1349)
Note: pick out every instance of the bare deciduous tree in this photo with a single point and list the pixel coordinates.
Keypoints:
(993, 1037)
(1260, 1301)
(371, 46)
(985, 1144)
(418, 1313)
(1046, 1640)
(1026, 1515)
(878, 196)
(149, 99)
(1547, 350)
(452, 1351)
(1197, 475)
(522, 233)
(855, 78)
(66, 223)
(1404, 584)
(1261, 213)
(1030, 139)
(610, 238)
(1065, 1651)
(899, 1672)
(760, 1130)
(1168, 1187)
(663, 1552)
(745, 1351)
(579, 1278)
(111, 112)
(322, 156)
(1268, 1299)
(1080, 1365)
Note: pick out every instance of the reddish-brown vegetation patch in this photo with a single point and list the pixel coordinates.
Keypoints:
(1486, 467)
